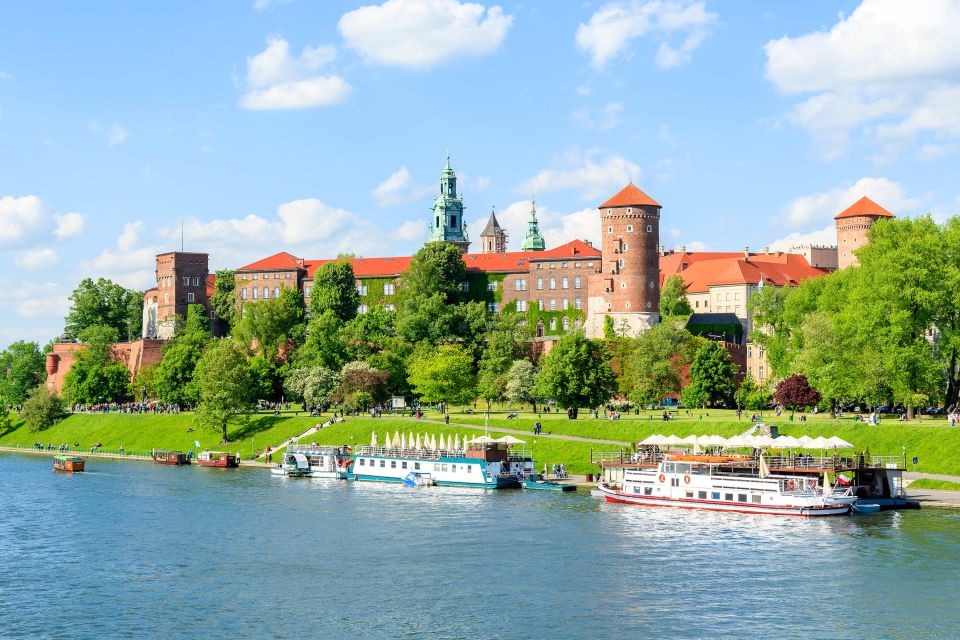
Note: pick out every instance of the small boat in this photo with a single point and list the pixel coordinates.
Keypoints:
(293, 465)
(70, 464)
(537, 481)
(170, 457)
(417, 479)
(865, 508)
(326, 462)
(217, 459)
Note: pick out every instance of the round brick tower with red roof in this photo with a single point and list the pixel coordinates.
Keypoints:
(628, 287)
(853, 223)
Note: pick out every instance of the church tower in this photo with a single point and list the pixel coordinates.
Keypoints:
(448, 224)
(853, 223)
(493, 239)
(628, 288)
(533, 241)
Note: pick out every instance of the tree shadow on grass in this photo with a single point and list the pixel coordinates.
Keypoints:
(254, 425)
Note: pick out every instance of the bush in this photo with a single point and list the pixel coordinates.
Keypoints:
(42, 409)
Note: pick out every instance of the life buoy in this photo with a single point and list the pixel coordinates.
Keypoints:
(686, 479)
(662, 477)
(790, 485)
(811, 483)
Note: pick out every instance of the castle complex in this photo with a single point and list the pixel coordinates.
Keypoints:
(571, 286)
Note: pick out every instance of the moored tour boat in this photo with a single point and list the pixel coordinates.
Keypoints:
(170, 457)
(218, 459)
(332, 463)
(292, 465)
(70, 464)
(724, 484)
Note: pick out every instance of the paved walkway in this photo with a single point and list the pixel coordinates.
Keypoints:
(313, 429)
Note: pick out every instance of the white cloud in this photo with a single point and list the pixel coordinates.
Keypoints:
(607, 118)
(411, 230)
(695, 246)
(19, 218)
(263, 5)
(277, 80)
(888, 71)
(826, 237)
(821, 207)
(396, 189)
(33, 300)
(481, 182)
(423, 33)
(36, 258)
(556, 227)
(616, 24)
(117, 135)
(69, 225)
(594, 176)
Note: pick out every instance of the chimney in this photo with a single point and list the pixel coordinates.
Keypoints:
(746, 252)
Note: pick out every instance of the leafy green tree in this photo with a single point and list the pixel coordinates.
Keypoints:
(224, 301)
(521, 382)
(673, 297)
(335, 289)
(313, 385)
(437, 268)
(712, 376)
(22, 367)
(266, 378)
(505, 344)
(6, 422)
(273, 325)
(359, 377)
(105, 303)
(42, 409)
(325, 345)
(444, 374)
(750, 395)
(368, 333)
(655, 362)
(576, 373)
(173, 378)
(95, 375)
(226, 385)
(393, 359)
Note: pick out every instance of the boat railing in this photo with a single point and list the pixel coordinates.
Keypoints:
(834, 462)
(310, 449)
(623, 456)
(409, 452)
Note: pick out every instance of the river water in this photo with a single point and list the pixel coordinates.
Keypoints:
(134, 550)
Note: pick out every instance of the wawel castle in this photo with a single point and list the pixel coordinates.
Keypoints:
(568, 287)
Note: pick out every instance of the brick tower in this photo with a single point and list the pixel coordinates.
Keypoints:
(493, 239)
(852, 226)
(628, 288)
(181, 281)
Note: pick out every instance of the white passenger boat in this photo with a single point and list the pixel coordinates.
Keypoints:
(483, 463)
(292, 465)
(718, 483)
(330, 463)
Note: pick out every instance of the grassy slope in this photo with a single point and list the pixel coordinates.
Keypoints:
(929, 483)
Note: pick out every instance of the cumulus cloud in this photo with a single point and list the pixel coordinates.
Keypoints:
(396, 189)
(69, 225)
(36, 258)
(607, 118)
(130, 263)
(887, 70)
(423, 33)
(680, 27)
(821, 207)
(263, 5)
(826, 237)
(115, 134)
(596, 175)
(19, 218)
(411, 230)
(278, 80)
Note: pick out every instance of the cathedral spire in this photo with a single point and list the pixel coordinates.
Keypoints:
(448, 224)
(533, 241)
(493, 239)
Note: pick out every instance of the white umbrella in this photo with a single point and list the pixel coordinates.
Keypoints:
(651, 440)
(433, 441)
(672, 440)
(419, 443)
(839, 443)
(787, 442)
(819, 443)
(403, 441)
(373, 439)
(386, 440)
(804, 440)
(689, 441)
(715, 441)
(738, 441)
(483, 440)
(410, 439)
(763, 441)
(396, 439)
(510, 440)
(456, 442)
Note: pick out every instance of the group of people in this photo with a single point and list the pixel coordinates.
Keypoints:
(65, 447)
(559, 471)
(126, 407)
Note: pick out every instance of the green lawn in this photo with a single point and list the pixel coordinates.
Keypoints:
(929, 483)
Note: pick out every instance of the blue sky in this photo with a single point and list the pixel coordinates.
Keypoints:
(322, 127)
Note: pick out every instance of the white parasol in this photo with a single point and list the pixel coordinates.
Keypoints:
(373, 439)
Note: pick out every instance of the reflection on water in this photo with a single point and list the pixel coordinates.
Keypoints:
(140, 550)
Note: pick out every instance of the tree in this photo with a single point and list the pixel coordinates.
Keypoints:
(444, 374)
(224, 301)
(712, 376)
(313, 385)
(273, 325)
(22, 367)
(437, 268)
(505, 344)
(794, 392)
(6, 422)
(95, 375)
(359, 377)
(750, 395)
(105, 303)
(42, 409)
(521, 381)
(673, 298)
(654, 363)
(576, 373)
(335, 289)
(369, 332)
(173, 378)
(325, 345)
(225, 385)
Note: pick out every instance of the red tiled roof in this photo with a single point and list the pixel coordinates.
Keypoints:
(367, 267)
(714, 269)
(864, 207)
(278, 261)
(630, 196)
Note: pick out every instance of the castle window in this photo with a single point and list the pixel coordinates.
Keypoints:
(266, 292)
(620, 263)
(609, 229)
(243, 277)
(287, 275)
(566, 303)
(438, 222)
(521, 305)
(553, 324)
(623, 247)
(629, 228)
(388, 289)
(589, 264)
(576, 282)
(196, 282)
(565, 283)
(453, 221)
(492, 307)
(563, 266)
(651, 284)
(166, 298)
(565, 323)
(276, 276)
(649, 228)
(361, 308)
(576, 265)
(465, 287)
(307, 291)
(362, 289)
(623, 285)
(649, 305)
(390, 307)
(276, 292)
(492, 286)
(576, 322)
(540, 283)
(213, 314)
(553, 304)
(190, 297)
(553, 283)
(186, 281)
(577, 304)
(553, 266)
(256, 293)
(243, 294)
(520, 284)
(629, 210)
(540, 304)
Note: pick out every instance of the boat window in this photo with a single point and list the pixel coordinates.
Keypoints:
(756, 499)
(702, 495)
(416, 465)
(668, 467)
(443, 467)
(715, 495)
(469, 468)
(742, 497)
(403, 465)
(728, 497)
(683, 468)
(453, 468)
(636, 489)
(383, 463)
(689, 494)
(360, 462)
(647, 491)
(393, 464)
